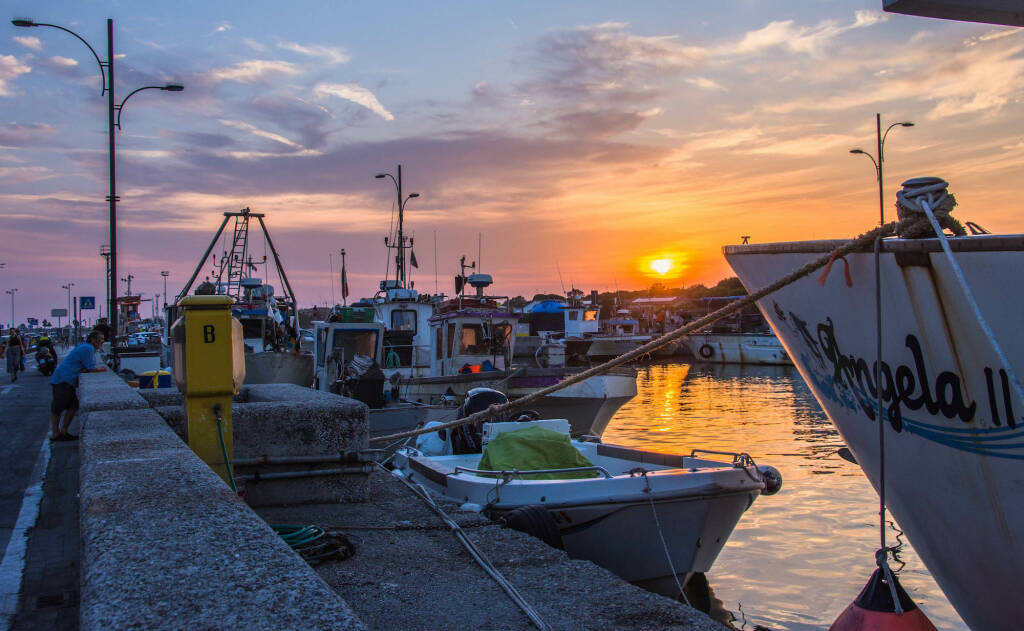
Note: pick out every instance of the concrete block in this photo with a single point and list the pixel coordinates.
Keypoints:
(284, 420)
(167, 545)
(107, 391)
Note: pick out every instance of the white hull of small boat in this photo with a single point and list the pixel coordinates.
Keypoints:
(589, 405)
(953, 424)
(618, 519)
(721, 348)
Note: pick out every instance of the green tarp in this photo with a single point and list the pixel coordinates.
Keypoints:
(535, 448)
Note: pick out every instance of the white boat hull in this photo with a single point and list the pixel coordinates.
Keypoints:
(589, 405)
(617, 522)
(953, 425)
(742, 348)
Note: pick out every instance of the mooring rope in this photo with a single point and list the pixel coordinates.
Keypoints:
(858, 243)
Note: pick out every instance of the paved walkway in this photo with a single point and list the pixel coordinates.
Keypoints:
(39, 537)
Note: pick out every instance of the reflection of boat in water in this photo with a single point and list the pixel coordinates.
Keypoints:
(954, 435)
(269, 322)
(648, 517)
(743, 339)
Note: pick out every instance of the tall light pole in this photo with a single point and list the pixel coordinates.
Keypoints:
(165, 274)
(400, 259)
(12, 292)
(881, 159)
(128, 279)
(107, 78)
(68, 287)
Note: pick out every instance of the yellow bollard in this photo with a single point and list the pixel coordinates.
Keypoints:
(209, 367)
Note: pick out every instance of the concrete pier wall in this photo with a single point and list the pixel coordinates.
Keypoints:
(167, 545)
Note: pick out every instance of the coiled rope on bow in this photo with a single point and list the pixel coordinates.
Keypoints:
(861, 242)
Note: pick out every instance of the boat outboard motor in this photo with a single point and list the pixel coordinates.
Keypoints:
(466, 438)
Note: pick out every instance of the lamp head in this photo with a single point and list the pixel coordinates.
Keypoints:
(856, 151)
(381, 175)
(411, 195)
(907, 124)
(173, 87)
(23, 22)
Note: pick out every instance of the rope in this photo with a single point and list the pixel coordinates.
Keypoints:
(476, 553)
(858, 243)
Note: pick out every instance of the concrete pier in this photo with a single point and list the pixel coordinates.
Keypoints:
(165, 544)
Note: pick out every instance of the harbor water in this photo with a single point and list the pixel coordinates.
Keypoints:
(798, 558)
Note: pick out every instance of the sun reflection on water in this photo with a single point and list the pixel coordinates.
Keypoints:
(797, 558)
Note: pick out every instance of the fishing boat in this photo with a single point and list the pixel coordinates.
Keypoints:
(348, 352)
(651, 518)
(273, 351)
(570, 323)
(743, 339)
(951, 404)
(437, 350)
(472, 346)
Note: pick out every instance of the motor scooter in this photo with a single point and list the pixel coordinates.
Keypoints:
(45, 361)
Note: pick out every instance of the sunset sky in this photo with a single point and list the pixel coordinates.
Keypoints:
(576, 141)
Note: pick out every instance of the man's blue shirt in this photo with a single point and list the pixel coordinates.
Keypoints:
(80, 359)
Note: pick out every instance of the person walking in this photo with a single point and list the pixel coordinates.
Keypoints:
(15, 354)
(64, 382)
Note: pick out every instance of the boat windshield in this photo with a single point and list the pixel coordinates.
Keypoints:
(349, 343)
(403, 320)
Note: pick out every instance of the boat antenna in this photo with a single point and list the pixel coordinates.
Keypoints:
(330, 257)
(479, 250)
(436, 290)
(560, 281)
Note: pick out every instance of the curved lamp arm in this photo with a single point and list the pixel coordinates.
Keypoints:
(170, 87)
(103, 74)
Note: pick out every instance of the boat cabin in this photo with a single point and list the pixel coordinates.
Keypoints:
(405, 314)
(347, 356)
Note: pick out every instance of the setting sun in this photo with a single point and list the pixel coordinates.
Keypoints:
(661, 266)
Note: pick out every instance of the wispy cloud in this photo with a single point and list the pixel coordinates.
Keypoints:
(16, 135)
(29, 42)
(787, 35)
(255, 131)
(331, 54)
(252, 71)
(354, 93)
(704, 83)
(10, 69)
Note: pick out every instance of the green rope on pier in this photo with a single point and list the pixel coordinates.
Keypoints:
(296, 535)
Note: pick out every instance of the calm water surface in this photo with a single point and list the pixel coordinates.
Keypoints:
(799, 557)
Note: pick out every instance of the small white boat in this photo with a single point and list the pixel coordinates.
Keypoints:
(738, 348)
(648, 517)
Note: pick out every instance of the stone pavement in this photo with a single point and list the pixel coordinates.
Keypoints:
(50, 556)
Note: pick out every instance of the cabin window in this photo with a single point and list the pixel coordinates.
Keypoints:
(348, 343)
(252, 328)
(438, 342)
(627, 329)
(403, 320)
(590, 315)
(471, 340)
(574, 315)
(451, 337)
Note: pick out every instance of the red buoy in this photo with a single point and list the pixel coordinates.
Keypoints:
(874, 609)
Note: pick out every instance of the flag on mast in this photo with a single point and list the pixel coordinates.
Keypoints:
(344, 282)
(412, 259)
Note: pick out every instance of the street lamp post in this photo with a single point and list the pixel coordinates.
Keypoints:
(11, 292)
(400, 260)
(68, 287)
(881, 159)
(107, 78)
(165, 274)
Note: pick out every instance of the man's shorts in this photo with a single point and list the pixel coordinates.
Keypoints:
(65, 397)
